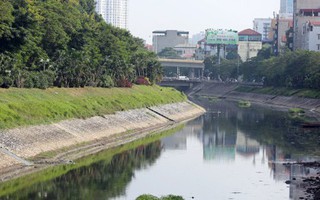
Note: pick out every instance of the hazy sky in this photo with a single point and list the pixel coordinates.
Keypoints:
(194, 16)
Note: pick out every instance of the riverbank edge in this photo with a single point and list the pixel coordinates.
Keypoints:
(228, 91)
(86, 137)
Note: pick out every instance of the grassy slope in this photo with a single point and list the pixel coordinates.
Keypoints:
(281, 91)
(20, 107)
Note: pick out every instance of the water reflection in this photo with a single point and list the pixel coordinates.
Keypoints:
(101, 180)
(269, 137)
(228, 153)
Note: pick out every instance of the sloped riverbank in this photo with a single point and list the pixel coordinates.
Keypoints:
(228, 91)
(26, 149)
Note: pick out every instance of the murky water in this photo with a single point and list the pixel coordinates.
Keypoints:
(228, 153)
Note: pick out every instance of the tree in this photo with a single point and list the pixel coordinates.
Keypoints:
(265, 52)
(6, 19)
(232, 55)
(79, 48)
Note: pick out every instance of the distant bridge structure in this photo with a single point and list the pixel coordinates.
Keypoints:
(177, 83)
(191, 65)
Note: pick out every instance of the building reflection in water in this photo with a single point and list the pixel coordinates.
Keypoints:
(178, 141)
(223, 140)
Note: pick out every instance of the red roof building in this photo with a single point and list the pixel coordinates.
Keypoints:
(249, 32)
(250, 42)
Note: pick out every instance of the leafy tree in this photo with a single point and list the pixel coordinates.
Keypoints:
(299, 69)
(79, 48)
(6, 19)
(232, 55)
(210, 69)
(265, 52)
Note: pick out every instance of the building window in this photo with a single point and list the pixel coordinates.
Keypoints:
(318, 36)
(318, 47)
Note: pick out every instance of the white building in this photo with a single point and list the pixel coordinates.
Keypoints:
(263, 26)
(304, 11)
(286, 9)
(113, 12)
(311, 36)
(197, 37)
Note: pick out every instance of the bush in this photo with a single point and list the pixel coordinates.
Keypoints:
(151, 197)
(124, 83)
(147, 197)
(141, 80)
(28, 83)
(106, 81)
(171, 197)
(5, 82)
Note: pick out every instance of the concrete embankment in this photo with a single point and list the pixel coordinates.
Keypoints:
(227, 90)
(18, 146)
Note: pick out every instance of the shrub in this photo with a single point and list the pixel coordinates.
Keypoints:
(5, 82)
(147, 197)
(124, 83)
(141, 80)
(151, 197)
(171, 197)
(106, 81)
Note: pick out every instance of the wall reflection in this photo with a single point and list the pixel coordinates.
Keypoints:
(101, 180)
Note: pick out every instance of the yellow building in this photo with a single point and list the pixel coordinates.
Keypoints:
(250, 42)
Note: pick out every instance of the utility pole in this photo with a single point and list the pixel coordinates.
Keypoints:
(276, 38)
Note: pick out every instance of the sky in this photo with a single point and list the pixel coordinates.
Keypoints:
(145, 16)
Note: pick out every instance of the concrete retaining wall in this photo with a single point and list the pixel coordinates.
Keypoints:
(31, 141)
(289, 102)
(226, 90)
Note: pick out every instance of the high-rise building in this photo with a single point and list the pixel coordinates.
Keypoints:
(263, 26)
(286, 9)
(113, 12)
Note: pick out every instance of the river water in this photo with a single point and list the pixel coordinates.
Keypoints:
(228, 153)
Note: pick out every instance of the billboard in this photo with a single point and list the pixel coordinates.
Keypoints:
(219, 36)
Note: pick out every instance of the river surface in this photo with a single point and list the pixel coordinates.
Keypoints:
(228, 153)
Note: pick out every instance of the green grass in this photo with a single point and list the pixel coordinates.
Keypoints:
(281, 91)
(211, 99)
(296, 111)
(244, 104)
(22, 107)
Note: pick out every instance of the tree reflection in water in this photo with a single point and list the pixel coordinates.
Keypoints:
(101, 180)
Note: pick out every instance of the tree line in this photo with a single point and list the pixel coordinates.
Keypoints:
(292, 69)
(296, 70)
(65, 43)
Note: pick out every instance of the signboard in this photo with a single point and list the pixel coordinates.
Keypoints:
(219, 36)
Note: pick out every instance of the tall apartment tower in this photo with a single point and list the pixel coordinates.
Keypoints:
(263, 26)
(113, 12)
(305, 12)
(286, 9)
